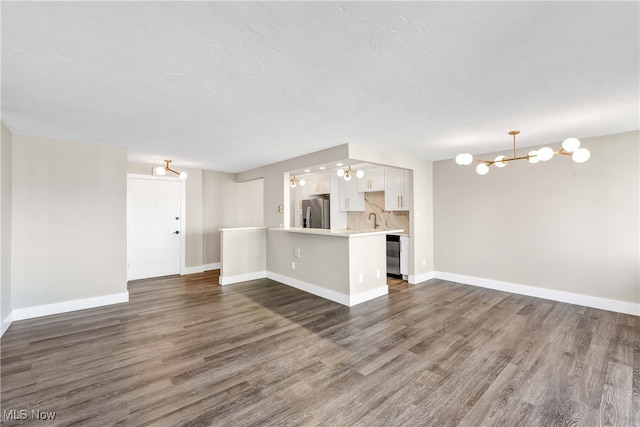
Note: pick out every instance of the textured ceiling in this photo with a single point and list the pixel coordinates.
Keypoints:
(235, 85)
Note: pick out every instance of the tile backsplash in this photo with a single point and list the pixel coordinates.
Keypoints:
(374, 202)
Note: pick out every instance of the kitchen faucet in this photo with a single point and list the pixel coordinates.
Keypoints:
(375, 219)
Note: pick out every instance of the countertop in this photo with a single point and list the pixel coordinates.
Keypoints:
(337, 233)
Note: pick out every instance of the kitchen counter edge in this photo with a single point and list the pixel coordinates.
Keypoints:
(337, 233)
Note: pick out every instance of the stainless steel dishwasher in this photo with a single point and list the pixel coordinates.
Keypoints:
(393, 256)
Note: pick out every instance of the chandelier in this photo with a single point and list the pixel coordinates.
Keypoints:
(294, 181)
(347, 173)
(162, 170)
(570, 147)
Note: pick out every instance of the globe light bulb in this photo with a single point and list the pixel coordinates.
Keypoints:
(581, 155)
(347, 177)
(499, 161)
(292, 183)
(482, 169)
(161, 171)
(360, 174)
(468, 159)
(533, 157)
(570, 144)
(464, 159)
(340, 172)
(183, 175)
(545, 154)
(302, 182)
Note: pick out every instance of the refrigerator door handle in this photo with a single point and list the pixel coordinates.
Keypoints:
(309, 217)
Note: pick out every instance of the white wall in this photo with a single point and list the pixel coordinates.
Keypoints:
(68, 221)
(5, 228)
(357, 270)
(556, 225)
(244, 254)
(324, 259)
(228, 204)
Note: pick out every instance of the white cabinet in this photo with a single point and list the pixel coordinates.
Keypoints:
(397, 190)
(318, 184)
(350, 198)
(373, 180)
(404, 255)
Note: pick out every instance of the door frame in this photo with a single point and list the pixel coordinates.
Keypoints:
(183, 211)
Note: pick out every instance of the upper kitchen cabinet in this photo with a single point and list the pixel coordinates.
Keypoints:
(350, 198)
(397, 190)
(373, 180)
(319, 184)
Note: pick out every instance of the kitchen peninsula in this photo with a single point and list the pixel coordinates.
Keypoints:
(345, 266)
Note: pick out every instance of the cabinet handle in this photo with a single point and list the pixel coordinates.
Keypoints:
(402, 201)
(399, 201)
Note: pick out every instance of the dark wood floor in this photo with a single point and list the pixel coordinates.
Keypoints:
(185, 351)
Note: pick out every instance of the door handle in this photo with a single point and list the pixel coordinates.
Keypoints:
(176, 232)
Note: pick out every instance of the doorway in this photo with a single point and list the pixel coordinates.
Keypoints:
(154, 226)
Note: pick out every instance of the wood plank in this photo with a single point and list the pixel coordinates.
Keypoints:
(186, 351)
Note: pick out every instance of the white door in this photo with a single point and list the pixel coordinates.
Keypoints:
(153, 237)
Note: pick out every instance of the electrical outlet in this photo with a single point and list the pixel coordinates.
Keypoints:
(377, 274)
(424, 262)
(360, 278)
(296, 251)
(293, 265)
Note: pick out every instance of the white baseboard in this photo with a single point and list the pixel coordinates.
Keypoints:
(550, 294)
(419, 278)
(192, 270)
(368, 295)
(200, 268)
(6, 322)
(334, 296)
(66, 306)
(212, 266)
(229, 280)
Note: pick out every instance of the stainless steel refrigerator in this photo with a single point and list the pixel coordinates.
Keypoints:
(315, 213)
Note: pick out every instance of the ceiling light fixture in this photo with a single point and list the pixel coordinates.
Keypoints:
(570, 147)
(293, 181)
(347, 173)
(162, 170)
